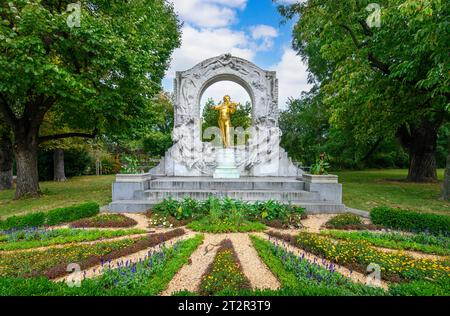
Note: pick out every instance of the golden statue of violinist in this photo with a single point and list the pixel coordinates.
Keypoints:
(225, 108)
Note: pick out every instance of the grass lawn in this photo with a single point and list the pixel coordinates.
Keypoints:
(362, 189)
(367, 189)
(60, 194)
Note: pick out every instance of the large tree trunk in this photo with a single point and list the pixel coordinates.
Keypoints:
(6, 162)
(26, 149)
(58, 165)
(421, 142)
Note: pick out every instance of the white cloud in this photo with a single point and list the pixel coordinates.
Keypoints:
(209, 13)
(207, 33)
(263, 31)
(200, 44)
(265, 34)
(292, 77)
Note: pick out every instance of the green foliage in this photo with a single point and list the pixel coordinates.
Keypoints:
(411, 221)
(422, 242)
(22, 221)
(321, 166)
(159, 139)
(71, 213)
(439, 287)
(37, 262)
(226, 225)
(344, 220)
(358, 254)
(52, 217)
(148, 279)
(377, 83)
(130, 165)
(221, 215)
(26, 239)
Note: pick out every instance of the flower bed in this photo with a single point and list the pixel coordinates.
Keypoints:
(105, 221)
(358, 255)
(224, 273)
(140, 244)
(149, 276)
(301, 276)
(53, 262)
(36, 263)
(208, 225)
(32, 238)
(422, 242)
(348, 221)
(165, 221)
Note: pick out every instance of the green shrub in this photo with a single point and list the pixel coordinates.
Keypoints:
(411, 221)
(23, 221)
(72, 213)
(220, 208)
(440, 287)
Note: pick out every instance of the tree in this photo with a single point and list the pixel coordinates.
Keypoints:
(307, 133)
(98, 76)
(158, 135)
(381, 82)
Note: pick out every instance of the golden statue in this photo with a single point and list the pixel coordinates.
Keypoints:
(225, 108)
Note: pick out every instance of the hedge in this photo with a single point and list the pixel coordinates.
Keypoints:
(411, 221)
(53, 217)
(22, 221)
(72, 213)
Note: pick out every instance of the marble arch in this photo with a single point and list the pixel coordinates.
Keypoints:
(189, 156)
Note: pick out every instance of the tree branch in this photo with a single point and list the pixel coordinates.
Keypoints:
(374, 62)
(353, 36)
(44, 139)
(366, 28)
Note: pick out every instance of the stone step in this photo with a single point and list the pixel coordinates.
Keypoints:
(276, 184)
(312, 207)
(245, 195)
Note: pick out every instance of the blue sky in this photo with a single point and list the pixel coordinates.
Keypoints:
(250, 29)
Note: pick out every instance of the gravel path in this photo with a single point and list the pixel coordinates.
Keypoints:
(189, 276)
(98, 270)
(353, 275)
(314, 223)
(141, 219)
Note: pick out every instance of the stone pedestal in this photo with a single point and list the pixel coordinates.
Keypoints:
(226, 164)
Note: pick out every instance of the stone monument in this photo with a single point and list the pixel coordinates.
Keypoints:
(258, 170)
